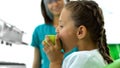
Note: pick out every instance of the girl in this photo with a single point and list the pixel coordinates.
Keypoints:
(81, 29)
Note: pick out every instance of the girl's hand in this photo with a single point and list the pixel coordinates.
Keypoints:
(53, 51)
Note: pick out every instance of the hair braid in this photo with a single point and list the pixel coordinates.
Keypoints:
(102, 44)
(103, 48)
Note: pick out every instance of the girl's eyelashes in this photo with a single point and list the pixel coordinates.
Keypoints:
(61, 26)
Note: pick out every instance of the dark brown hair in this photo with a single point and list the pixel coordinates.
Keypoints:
(47, 19)
(89, 14)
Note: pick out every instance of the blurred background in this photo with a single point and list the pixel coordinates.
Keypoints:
(26, 15)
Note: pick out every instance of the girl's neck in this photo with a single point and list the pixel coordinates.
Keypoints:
(87, 46)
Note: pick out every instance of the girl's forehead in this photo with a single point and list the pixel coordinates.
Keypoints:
(65, 15)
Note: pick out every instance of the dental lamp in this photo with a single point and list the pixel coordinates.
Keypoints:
(10, 34)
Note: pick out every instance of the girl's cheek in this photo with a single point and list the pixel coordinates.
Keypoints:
(63, 33)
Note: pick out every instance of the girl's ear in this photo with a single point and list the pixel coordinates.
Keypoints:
(81, 32)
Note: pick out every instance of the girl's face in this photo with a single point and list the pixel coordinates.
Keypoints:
(67, 30)
(55, 6)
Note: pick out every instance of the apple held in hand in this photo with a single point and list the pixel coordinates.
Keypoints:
(52, 38)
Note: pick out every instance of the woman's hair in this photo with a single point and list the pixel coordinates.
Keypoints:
(89, 14)
(46, 17)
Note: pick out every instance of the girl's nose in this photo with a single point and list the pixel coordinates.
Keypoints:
(57, 29)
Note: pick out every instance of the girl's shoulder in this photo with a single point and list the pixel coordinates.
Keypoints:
(83, 58)
(79, 54)
(84, 54)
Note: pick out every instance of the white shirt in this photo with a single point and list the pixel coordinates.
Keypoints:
(84, 59)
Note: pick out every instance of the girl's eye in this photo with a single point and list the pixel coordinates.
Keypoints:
(61, 26)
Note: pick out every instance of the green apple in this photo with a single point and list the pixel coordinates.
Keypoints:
(52, 38)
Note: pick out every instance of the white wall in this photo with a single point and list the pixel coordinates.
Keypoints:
(25, 14)
(111, 13)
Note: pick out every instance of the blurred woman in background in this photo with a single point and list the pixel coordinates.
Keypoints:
(51, 10)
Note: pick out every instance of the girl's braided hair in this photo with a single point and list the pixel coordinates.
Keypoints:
(89, 14)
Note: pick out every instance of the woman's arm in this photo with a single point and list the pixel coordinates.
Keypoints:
(36, 61)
